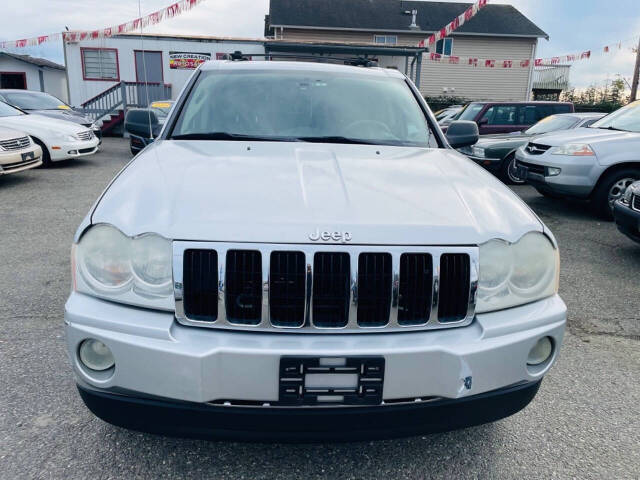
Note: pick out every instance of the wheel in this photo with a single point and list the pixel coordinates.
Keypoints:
(508, 171)
(46, 158)
(610, 188)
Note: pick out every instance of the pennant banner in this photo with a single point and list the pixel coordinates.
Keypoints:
(522, 63)
(74, 36)
(456, 23)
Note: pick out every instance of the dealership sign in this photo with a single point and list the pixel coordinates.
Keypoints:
(187, 60)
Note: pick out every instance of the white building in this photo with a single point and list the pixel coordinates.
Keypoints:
(30, 73)
(95, 66)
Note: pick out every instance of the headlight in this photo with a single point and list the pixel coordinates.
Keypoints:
(518, 273)
(114, 266)
(478, 152)
(576, 150)
(67, 138)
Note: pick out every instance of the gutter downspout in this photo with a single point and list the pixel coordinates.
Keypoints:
(529, 93)
(66, 70)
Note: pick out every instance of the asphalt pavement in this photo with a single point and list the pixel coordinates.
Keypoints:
(584, 423)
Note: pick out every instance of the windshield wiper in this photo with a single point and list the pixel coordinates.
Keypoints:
(335, 139)
(228, 136)
(612, 128)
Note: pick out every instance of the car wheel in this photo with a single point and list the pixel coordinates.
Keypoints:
(46, 158)
(611, 188)
(508, 171)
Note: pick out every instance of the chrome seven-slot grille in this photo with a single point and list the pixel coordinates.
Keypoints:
(85, 135)
(15, 143)
(323, 288)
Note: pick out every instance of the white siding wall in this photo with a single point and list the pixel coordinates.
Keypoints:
(55, 81)
(480, 83)
(82, 90)
(31, 71)
(476, 83)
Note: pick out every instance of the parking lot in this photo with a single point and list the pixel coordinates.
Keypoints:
(584, 423)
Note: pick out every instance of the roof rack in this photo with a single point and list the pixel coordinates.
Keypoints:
(238, 56)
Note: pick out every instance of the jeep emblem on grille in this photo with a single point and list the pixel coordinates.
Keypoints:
(327, 236)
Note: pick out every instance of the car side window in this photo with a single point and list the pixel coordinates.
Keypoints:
(543, 111)
(527, 115)
(561, 109)
(501, 115)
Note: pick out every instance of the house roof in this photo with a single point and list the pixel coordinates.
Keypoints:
(40, 62)
(389, 15)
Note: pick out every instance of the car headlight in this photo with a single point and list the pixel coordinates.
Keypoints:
(513, 274)
(576, 150)
(478, 152)
(137, 271)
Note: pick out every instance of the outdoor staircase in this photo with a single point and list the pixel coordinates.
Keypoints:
(112, 104)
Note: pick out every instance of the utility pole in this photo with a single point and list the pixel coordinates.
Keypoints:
(636, 74)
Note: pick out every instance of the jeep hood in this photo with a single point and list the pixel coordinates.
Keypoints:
(281, 192)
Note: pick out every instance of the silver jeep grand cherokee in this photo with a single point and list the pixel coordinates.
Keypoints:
(303, 255)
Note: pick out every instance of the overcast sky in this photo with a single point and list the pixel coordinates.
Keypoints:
(572, 25)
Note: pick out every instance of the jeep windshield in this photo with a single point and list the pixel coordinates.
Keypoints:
(625, 119)
(303, 106)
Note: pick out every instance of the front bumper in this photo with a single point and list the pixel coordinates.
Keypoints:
(12, 162)
(66, 150)
(306, 424)
(627, 220)
(576, 178)
(158, 358)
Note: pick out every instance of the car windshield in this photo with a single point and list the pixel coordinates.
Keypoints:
(470, 111)
(8, 110)
(306, 106)
(625, 118)
(161, 110)
(551, 124)
(34, 101)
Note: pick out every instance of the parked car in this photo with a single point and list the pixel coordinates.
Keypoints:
(497, 152)
(17, 152)
(58, 139)
(143, 125)
(446, 116)
(596, 163)
(505, 117)
(626, 212)
(268, 267)
(49, 106)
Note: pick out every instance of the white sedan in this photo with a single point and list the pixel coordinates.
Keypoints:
(58, 139)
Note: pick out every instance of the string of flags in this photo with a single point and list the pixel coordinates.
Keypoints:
(154, 18)
(454, 24)
(521, 63)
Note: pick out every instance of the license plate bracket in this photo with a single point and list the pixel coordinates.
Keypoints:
(294, 389)
(27, 156)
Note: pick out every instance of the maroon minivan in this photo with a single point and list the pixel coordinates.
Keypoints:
(505, 117)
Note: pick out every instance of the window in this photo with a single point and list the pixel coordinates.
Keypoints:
(444, 47)
(501, 115)
(293, 106)
(100, 64)
(386, 39)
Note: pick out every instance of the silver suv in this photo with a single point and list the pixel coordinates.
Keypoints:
(302, 254)
(597, 163)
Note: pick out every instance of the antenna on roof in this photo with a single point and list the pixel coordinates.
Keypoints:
(414, 17)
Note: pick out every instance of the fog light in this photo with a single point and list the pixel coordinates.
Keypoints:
(553, 171)
(72, 152)
(540, 352)
(95, 355)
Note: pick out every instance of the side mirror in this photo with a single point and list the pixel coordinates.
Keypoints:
(462, 133)
(140, 122)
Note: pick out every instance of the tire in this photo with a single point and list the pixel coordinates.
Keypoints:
(46, 157)
(611, 187)
(507, 171)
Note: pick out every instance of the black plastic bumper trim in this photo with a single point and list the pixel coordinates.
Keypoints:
(196, 420)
